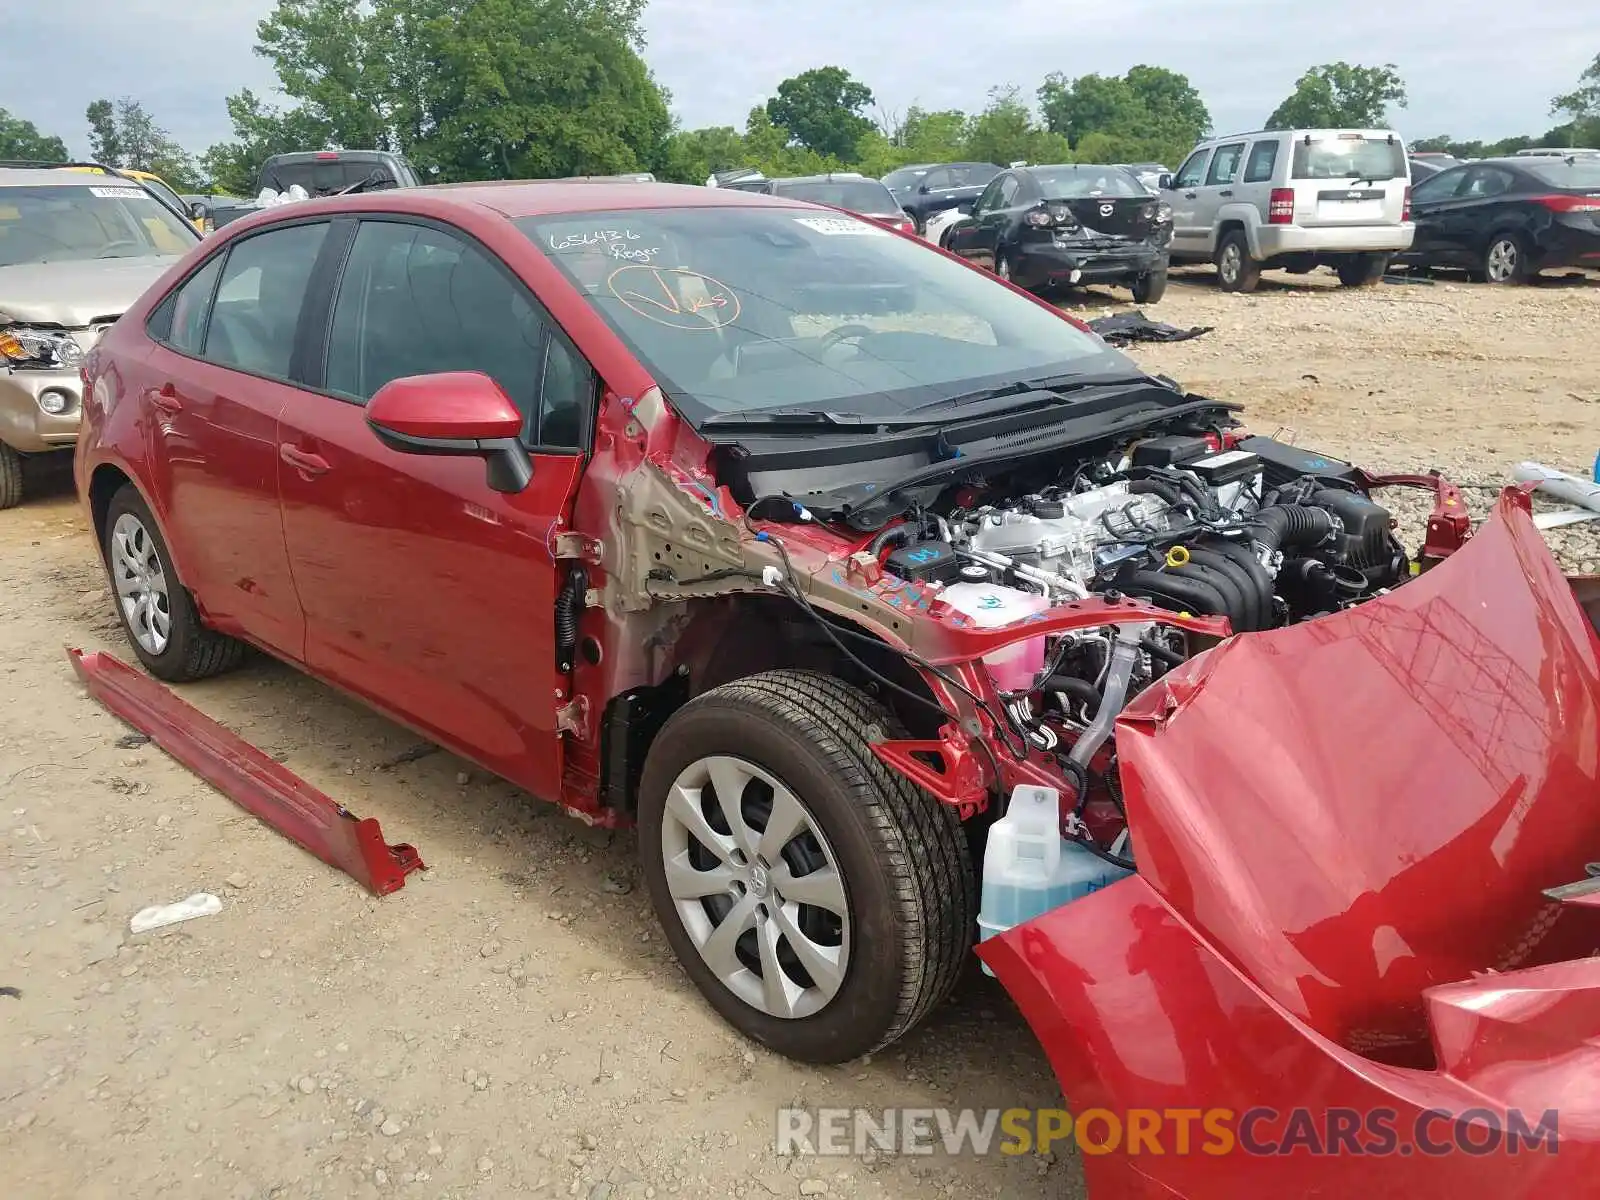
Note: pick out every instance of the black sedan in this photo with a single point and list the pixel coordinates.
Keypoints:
(1505, 219)
(931, 188)
(1043, 227)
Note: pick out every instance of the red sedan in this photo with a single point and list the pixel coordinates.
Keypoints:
(826, 559)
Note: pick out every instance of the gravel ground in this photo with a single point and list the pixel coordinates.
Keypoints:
(510, 1024)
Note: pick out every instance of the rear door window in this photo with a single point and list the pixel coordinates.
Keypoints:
(1225, 165)
(259, 298)
(1484, 182)
(1350, 156)
(1263, 159)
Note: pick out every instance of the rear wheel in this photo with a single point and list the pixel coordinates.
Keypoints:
(1505, 260)
(10, 477)
(1363, 270)
(821, 902)
(1236, 270)
(1148, 289)
(157, 612)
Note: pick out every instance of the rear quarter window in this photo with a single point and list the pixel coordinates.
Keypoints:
(1262, 162)
(1581, 174)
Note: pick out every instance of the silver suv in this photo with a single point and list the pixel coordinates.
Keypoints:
(75, 251)
(1294, 199)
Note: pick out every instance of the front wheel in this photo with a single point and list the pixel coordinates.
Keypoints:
(821, 902)
(1148, 289)
(10, 477)
(157, 612)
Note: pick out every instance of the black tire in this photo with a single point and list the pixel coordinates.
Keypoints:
(902, 856)
(10, 477)
(192, 651)
(1243, 276)
(1505, 260)
(1148, 289)
(1363, 270)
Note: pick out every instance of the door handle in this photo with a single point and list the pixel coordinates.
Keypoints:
(166, 400)
(1188, 196)
(1226, 192)
(303, 460)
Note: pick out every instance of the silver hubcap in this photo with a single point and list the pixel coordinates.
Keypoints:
(1502, 261)
(141, 584)
(756, 886)
(1228, 268)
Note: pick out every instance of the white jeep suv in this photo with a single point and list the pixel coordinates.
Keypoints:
(1293, 198)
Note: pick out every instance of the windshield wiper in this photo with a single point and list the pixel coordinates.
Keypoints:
(1046, 390)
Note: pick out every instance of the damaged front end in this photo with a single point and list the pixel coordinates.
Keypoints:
(1363, 858)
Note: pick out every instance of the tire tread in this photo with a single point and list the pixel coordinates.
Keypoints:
(10, 477)
(928, 864)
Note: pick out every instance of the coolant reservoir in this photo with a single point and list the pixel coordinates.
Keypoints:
(1029, 868)
(990, 606)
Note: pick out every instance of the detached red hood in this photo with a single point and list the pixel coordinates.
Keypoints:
(1358, 808)
(1341, 828)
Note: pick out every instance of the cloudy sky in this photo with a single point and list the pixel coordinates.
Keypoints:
(1475, 68)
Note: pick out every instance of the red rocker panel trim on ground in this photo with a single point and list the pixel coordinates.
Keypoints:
(250, 778)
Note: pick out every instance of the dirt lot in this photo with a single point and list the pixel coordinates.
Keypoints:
(510, 1024)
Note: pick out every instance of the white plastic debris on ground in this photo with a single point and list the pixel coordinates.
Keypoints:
(201, 904)
(1582, 494)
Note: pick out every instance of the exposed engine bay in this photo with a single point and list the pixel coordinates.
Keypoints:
(1247, 528)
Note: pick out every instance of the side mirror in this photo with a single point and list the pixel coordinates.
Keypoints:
(1164, 181)
(965, 209)
(454, 413)
(197, 211)
(922, 189)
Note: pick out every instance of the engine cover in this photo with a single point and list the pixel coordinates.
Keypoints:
(1063, 535)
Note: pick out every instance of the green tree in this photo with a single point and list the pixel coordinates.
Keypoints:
(21, 139)
(693, 154)
(1582, 107)
(821, 110)
(1339, 95)
(260, 131)
(935, 136)
(1150, 114)
(1005, 132)
(470, 89)
(104, 144)
(122, 133)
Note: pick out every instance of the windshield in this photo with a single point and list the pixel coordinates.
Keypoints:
(1071, 183)
(1581, 174)
(323, 177)
(738, 309)
(858, 195)
(71, 224)
(1350, 156)
(166, 193)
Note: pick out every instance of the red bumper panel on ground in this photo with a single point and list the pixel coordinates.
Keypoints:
(247, 776)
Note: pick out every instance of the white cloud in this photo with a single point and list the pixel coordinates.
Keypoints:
(1474, 68)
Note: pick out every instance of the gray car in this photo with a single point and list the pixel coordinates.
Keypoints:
(75, 251)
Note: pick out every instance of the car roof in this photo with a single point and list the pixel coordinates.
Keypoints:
(29, 177)
(830, 177)
(515, 199)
